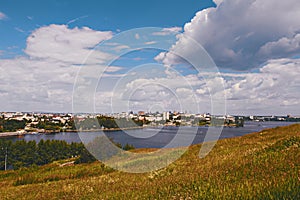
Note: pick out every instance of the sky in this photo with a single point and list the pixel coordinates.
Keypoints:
(106, 15)
(223, 57)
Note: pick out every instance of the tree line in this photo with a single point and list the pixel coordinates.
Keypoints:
(30, 153)
(108, 123)
(11, 125)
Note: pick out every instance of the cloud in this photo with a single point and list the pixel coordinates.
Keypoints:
(19, 30)
(2, 16)
(150, 43)
(120, 47)
(168, 31)
(284, 46)
(113, 69)
(43, 79)
(173, 29)
(36, 85)
(274, 89)
(60, 43)
(244, 34)
(76, 19)
(156, 86)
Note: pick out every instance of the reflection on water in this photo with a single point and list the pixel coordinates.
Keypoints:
(155, 137)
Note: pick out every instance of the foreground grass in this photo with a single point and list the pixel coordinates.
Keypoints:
(263, 165)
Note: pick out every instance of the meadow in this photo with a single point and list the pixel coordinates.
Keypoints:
(263, 165)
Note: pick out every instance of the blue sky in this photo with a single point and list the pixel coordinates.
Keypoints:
(114, 15)
(45, 45)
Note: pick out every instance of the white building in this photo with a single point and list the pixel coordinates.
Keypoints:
(166, 116)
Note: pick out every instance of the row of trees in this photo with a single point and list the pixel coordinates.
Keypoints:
(48, 125)
(108, 122)
(29, 153)
(25, 154)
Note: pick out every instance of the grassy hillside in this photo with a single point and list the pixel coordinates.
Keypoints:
(263, 165)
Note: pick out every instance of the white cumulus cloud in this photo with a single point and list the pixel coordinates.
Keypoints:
(274, 89)
(60, 43)
(244, 34)
(43, 79)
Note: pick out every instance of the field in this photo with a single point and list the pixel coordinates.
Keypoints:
(264, 165)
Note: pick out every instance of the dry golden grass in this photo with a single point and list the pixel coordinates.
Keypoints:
(263, 165)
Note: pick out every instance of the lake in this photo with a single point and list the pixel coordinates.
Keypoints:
(155, 137)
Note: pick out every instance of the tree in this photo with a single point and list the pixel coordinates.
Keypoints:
(128, 147)
(85, 157)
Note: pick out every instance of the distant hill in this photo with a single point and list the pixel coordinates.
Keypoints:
(264, 165)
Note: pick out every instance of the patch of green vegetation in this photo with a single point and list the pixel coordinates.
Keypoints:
(262, 165)
(29, 153)
(11, 125)
(293, 142)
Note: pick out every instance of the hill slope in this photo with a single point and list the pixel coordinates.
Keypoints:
(264, 165)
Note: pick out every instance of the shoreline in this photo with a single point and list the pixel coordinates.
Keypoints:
(22, 134)
(11, 134)
(106, 130)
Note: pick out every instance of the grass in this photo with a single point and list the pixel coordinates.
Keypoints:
(264, 165)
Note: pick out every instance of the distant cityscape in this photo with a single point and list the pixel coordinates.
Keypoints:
(20, 123)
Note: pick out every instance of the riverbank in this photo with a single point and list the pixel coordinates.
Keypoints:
(23, 133)
(108, 129)
(12, 134)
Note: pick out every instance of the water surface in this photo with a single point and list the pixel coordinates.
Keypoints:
(156, 137)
